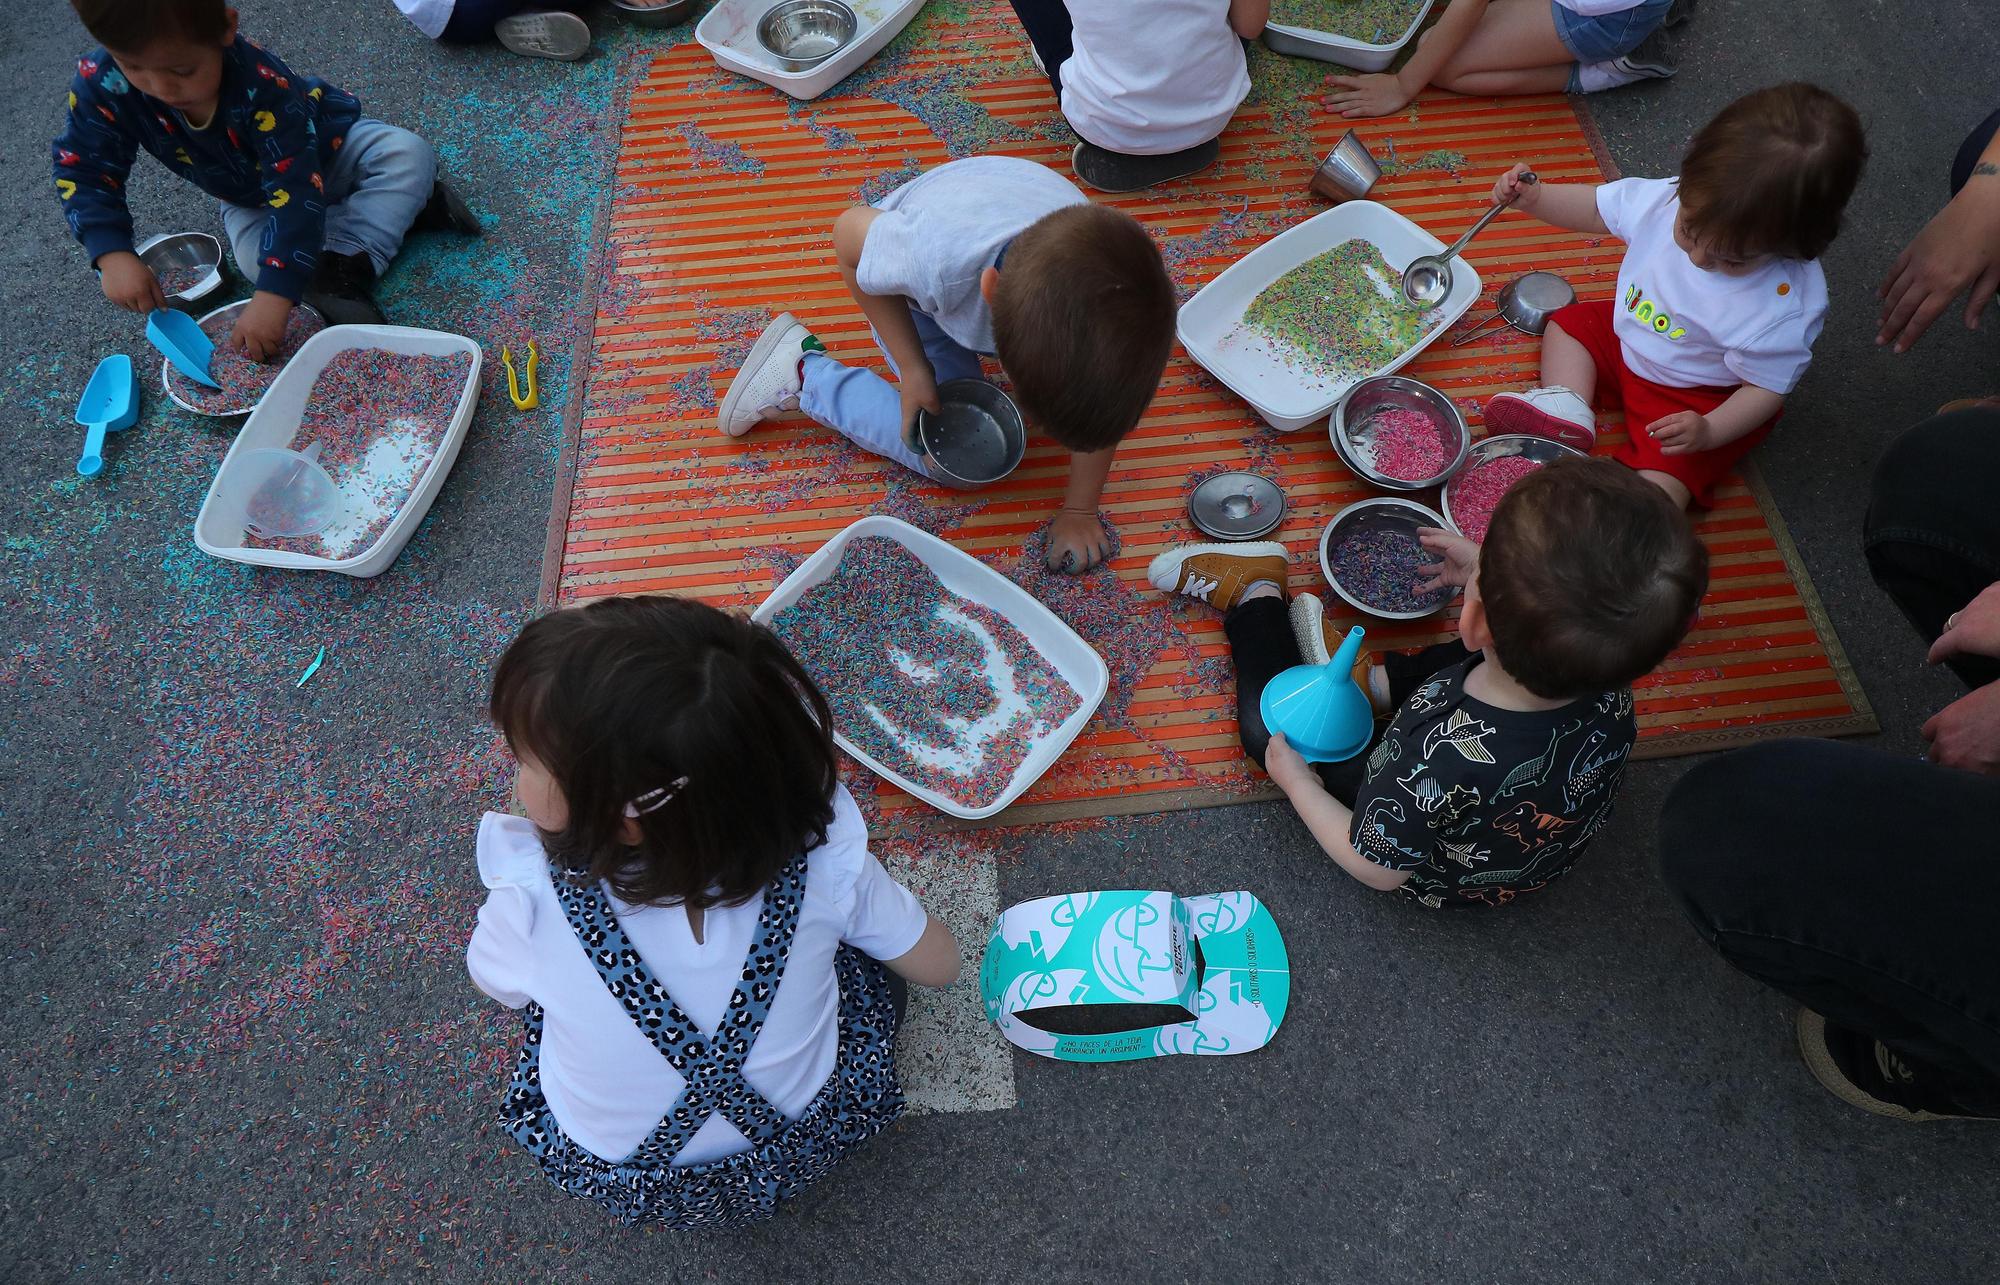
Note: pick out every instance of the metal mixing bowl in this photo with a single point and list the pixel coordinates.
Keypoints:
(1488, 449)
(226, 310)
(801, 34)
(1392, 512)
(670, 14)
(977, 439)
(1349, 427)
(185, 250)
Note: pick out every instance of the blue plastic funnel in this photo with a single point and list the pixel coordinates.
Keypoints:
(110, 404)
(1324, 715)
(180, 337)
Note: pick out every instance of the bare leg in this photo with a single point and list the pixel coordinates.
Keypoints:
(1676, 489)
(1567, 362)
(1524, 80)
(1512, 36)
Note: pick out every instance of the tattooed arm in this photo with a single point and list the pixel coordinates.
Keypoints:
(1958, 250)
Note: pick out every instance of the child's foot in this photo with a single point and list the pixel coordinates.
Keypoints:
(342, 290)
(1863, 1072)
(445, 212)
(1650, 61)
(769, 383)
(1554, 412)
(1319, 639)
(563, 37)
(1219, 574)
(1116, 172)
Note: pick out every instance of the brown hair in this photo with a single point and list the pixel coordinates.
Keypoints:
(1590, 576)
(1083, 318)
(131, 25)
(628, 696)
(1772, 173)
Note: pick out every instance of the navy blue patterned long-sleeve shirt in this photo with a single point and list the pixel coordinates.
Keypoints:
(270, 141)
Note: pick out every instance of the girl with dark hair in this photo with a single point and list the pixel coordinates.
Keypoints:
(690, 915)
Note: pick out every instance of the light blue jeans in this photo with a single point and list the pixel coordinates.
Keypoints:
(865, 408)
(380, 178)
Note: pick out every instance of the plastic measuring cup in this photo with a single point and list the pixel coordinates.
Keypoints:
(288, 493)
(110, 404)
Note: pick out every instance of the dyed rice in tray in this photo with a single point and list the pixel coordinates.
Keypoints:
(1476, 492)
(244, 380)
(1382, 566)
(1375, 21)
(1340, 314)
(936, 688)
(1403, 444)
(378, 418)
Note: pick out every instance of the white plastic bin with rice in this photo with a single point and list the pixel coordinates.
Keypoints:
(961, 573)
(1282, 37)
(729, 33)
(1288, 395)
(219, 530)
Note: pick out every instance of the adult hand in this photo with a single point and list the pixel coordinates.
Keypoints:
(1379, 94)
(1966, 733)
(129, 283)
(1509, 188)
(260, 327)
(917, 388)
(1972, 631)
(1458, 559)
(1682, 433)
(1958, 248)
(1077, 542)
(1286, 768)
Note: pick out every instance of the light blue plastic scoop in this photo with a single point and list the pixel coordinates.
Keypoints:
(180, 337)
(110, 404)
(1323, 714)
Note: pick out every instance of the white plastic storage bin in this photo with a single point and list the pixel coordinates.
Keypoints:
(219, 529)
(1079, 664)
(1288, 396)
(1361, 55)
(729, 33)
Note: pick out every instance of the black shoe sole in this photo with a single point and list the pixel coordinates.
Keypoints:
(1115, 172)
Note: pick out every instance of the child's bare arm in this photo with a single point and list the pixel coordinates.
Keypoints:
(1566, 205)
(1327, 817)
(1247, 18)
(889, 314)
(1685, 432)
(1382, 93)
(1077, 538)
(933, 961)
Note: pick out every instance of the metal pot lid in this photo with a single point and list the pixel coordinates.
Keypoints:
(1543, 291)
(1237, 506)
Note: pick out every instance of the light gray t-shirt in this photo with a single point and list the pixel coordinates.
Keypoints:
(938, 232)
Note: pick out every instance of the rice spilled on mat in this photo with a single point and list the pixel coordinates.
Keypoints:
(244, 380)
(378, 418)
(941, 690)
(1476, 492)
(1341, 314)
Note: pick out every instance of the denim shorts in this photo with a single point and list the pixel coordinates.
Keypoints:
(1607, 35)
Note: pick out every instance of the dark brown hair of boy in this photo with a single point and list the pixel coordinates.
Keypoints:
(1772, 172)
(1083, 318)
(132, 25)
(629, 695)
(1590, 576)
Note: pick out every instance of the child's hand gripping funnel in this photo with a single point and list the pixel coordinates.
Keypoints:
(1324, 715)
(181, 339)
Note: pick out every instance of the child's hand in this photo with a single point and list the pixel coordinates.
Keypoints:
(1682, 433)
(1509, 189)
(1077, 542)
(1286, 768)
(129, 283)
(1458, 559)
(1379, 94)
(260, 327)
(918, 389)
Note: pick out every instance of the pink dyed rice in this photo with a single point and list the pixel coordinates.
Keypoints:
(1477, 492)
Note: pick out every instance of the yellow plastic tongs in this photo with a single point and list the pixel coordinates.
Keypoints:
(532, 397)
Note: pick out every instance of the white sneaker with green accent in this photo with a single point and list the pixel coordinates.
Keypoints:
(768, 384)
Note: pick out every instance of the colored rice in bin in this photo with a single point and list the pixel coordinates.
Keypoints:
(1341, 314)
(1376, 22)
(940, 690)
(1403, 444)
(244, 380)
(1476, 492)
(1382, 566)
(378, 418)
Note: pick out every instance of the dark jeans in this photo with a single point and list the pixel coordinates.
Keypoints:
(1262, 646)
(1968, 151)
(472, 21)
(1048, 26)
(1866, 885)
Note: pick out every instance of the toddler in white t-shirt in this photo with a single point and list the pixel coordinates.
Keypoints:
(1720, 295)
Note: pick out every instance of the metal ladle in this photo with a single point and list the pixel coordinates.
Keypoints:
(1428, 279)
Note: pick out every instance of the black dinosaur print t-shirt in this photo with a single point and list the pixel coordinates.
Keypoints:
(1482, 804)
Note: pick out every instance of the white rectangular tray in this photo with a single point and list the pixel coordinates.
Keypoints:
(729, 33)
(1361, 55)
(218, 530)
(1079, 664)
(1286, 395)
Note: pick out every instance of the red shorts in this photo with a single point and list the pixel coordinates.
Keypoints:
(1644, 401)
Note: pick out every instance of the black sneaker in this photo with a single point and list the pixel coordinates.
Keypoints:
(445, 212)
(343, 291)
(1678, 13)
(1652, 60)
(1864, 1072)
(1117, 172)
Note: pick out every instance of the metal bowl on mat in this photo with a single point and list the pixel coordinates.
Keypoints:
(1383, 516)
(976, 439)
(190, 260)
(1353, 419)
(1237, 506)
(661, 13)
(1487, 449)
(801, 34)
(226, 310)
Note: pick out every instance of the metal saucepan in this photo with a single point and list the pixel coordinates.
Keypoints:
(1526, 304)
(1428, 279)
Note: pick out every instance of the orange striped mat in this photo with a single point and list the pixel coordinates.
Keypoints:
(726, 194)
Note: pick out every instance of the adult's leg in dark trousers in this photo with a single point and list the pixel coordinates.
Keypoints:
(1968, 151)
(1048, 26)
(1933, 530)
(1862, 884)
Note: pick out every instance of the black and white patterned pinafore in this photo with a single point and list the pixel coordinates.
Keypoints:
(860, 1098)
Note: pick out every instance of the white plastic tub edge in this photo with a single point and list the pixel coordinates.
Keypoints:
(1327, 46)
(218, 529)
(1076, 660)
(734, 45)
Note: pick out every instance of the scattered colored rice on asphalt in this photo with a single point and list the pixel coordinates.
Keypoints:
(378, 418)
(1341, 314)
(1402, 444)
(244, 380)
(939, 689)
(1382, 566)
(1375, 21)
(1476, 492)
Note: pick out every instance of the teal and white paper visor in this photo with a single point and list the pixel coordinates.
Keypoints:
(1115, 976)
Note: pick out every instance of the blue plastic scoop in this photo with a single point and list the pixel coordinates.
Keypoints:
(1323, 714)
(110, 404)
(180, 337)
